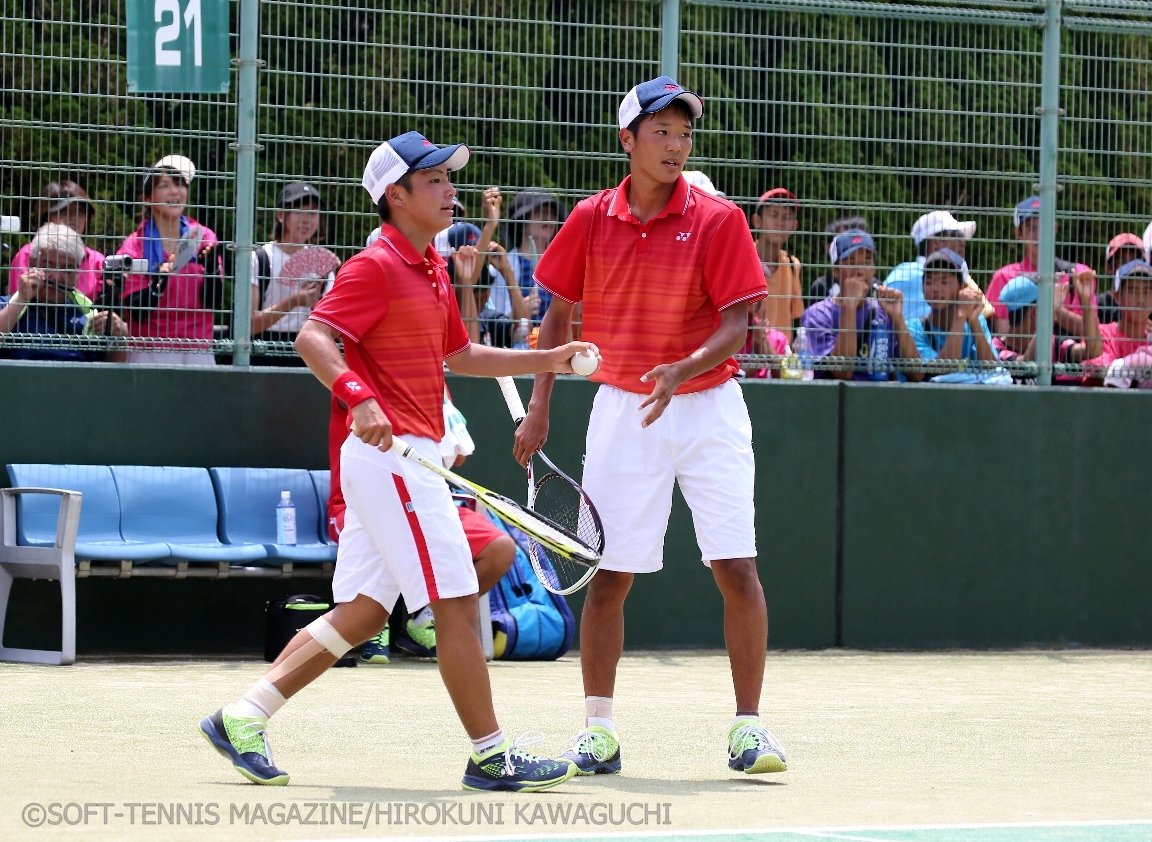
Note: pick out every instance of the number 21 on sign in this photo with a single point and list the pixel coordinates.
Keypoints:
(169, 33)
(178, 46)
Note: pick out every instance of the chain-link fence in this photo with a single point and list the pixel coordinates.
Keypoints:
(867, 113)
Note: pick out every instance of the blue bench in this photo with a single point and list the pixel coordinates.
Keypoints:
(247, 499)
(58, 520)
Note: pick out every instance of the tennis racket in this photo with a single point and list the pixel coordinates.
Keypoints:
(560, 499)
(560, 542)
(309, 265)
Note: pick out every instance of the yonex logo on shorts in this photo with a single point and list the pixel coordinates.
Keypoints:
(683, 236)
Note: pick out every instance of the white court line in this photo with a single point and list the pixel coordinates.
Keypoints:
(818, 832)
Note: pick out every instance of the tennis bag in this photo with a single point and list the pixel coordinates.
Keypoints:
(528, 622)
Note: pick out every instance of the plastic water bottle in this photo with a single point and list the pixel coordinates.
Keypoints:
(520, 338)
(790, 366)
(286, 520)
(804, 353)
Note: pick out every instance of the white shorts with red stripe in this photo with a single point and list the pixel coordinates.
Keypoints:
(402, 534)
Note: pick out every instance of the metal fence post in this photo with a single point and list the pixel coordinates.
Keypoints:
(670, 38)
(1049, 146)
(245, 147)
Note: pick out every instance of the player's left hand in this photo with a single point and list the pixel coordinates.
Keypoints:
(667, 379)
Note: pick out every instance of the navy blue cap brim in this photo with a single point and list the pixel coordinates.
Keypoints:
(844, 255)
(454, 157)
(694, 103)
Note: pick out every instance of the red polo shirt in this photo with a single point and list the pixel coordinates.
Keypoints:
(399, 318)
(653, 293)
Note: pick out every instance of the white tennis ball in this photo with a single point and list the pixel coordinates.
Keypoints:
(585, 363)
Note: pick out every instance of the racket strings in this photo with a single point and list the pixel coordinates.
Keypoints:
(557, 499)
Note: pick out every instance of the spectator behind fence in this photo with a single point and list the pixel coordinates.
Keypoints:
(1129, 333)
(279, 309)
(955, 327)
(534, 216)
(1067, 313)
(172, 301)
(1120, 250)
(879, 333)
(459, 246)
(931, 232)
(1018, 344)
(773, 222)
(65, 203)
(47, 302)
(825, 286)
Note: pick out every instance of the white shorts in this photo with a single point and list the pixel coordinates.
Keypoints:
(703, 441)
(402, 534)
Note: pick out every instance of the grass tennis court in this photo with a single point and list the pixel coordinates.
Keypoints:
(917, 747)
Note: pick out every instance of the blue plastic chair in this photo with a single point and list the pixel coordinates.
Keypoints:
(322, 480)
(99, 537)
(178, 507)
(247, 498)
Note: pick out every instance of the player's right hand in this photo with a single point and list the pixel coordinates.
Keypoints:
(371, 425)
(530, 436)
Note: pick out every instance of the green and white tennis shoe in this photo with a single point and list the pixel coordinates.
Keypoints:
(244, 742)
(753, 749)
(594, 751)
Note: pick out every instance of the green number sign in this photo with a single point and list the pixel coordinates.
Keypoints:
(178, 46)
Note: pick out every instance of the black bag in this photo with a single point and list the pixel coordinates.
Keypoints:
(287, 616)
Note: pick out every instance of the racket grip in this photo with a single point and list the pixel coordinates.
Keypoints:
(399, 446)
(512, 398)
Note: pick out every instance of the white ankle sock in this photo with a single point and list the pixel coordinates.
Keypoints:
(484, 745)
(424, 615)
(745, 717)
(261, 701)
(598, 712)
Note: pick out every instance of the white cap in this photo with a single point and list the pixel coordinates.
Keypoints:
(285, 495)
(384, 167)
(701, 182)
(1148, 243)
(931, 224)
(182, 165)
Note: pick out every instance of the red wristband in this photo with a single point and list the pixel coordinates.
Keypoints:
(352, 390)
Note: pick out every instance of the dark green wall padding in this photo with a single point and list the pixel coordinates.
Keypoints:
(983, 517)
(972, 517)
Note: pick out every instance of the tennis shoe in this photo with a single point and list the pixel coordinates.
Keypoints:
(752, 749)
(418, 639)
(375, 650)
(508, 768)
(594, 751)
(244, 742)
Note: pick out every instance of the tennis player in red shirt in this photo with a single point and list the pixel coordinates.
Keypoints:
(393, 307)
(666, 274)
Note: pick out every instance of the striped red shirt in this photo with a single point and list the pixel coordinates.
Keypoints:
(652, 294)
(399, 318)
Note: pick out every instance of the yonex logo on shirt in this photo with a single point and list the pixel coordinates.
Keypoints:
(683, 236)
